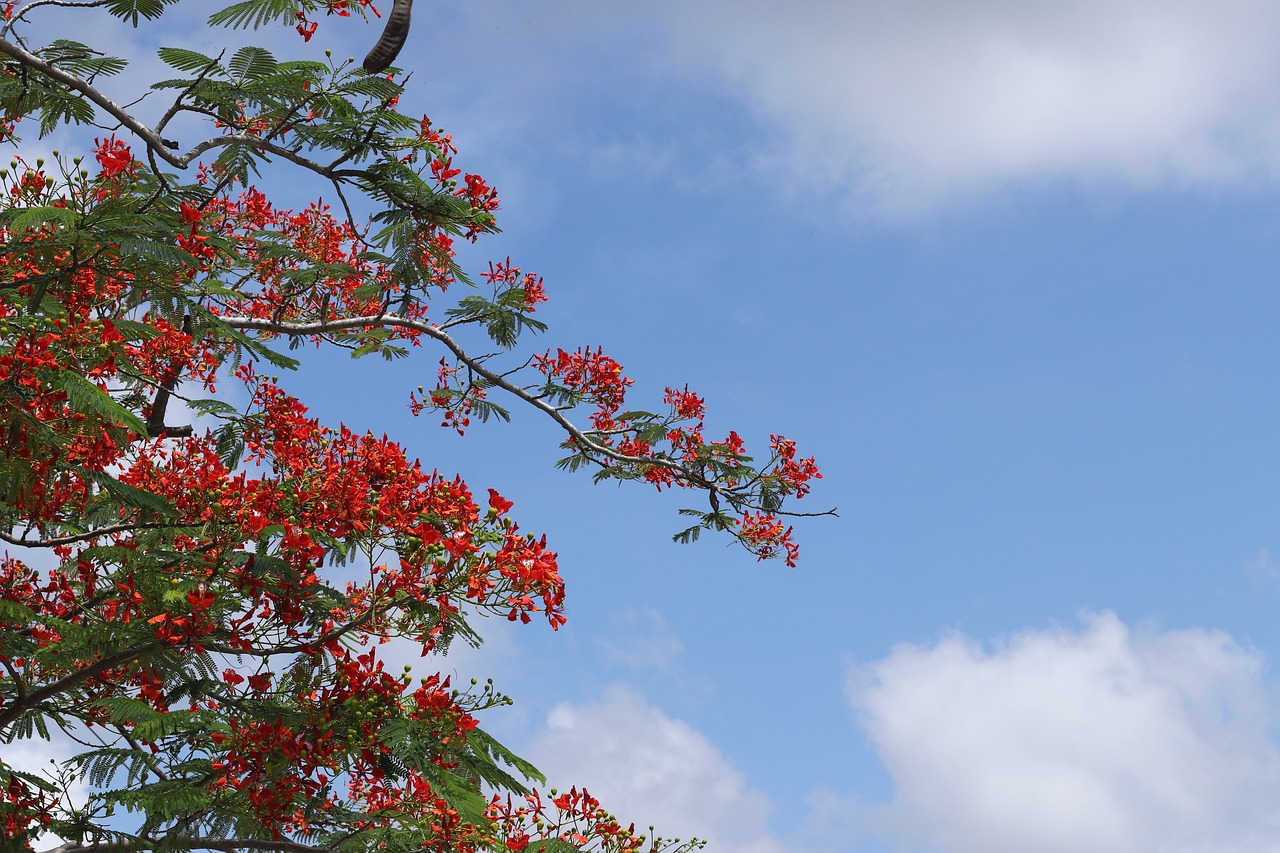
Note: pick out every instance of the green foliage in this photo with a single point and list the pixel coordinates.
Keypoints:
(167, 600)
(131, 10)
(255, 14)
(551, 845)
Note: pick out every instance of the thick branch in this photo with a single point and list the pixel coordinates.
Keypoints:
(156, 426)
(12, 712)
(152, 138)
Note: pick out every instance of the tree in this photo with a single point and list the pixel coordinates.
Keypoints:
(192, 631)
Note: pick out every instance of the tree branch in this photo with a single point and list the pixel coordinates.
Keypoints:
(591, 447)
(82, 537)
(152, 138)
(226, 845)
(283, 327)
(155, 142)
(12, 712)
(337, 633)
(156, 426)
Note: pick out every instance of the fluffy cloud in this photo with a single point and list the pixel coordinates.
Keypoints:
(912, 104)
(903, 107)
(1101, 739)
(647, 766)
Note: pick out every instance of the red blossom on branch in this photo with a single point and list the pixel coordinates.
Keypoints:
(219, 588)
(115, 158)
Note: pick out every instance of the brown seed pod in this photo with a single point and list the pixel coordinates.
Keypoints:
(393, 36)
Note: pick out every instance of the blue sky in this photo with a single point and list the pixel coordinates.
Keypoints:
(1008, 270)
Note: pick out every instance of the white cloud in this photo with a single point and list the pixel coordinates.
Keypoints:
(1101, 739)
(917, 103)
(647, 767)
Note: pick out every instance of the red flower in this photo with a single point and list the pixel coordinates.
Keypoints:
(498, 502)
(115, 157)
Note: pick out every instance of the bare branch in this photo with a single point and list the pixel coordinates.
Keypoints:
(64, 4)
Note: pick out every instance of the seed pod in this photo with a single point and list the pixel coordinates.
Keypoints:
(393, 36)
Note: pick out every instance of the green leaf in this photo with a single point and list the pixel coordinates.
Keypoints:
(185, 60)
(770, 501)
(132, 330)
(237, 161)
(81, 59)
(60, 107)
(482, 743)
(253, 13)
(125, 709)
(652, 433)
(84, 395)
(15, 613)
(250, 63)
(212, 407)
(131, 495)
(101, 765)
(230, 445)
(130, 10)
(33, 218)
(552, 845)
(684, 537)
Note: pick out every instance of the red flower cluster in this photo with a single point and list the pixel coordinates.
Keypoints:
(267, 545)
(720, 465)
(115, 158)
(24, 810)
(573, 817)
(590, 376)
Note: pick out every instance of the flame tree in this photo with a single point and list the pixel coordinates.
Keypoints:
(198, 633)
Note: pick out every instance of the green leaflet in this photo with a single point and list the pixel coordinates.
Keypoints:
(551, 845)
(189, 61)
(131, 10)
(482, 743)
(80, 60)
(84, 395)
(130, 495)
(32, 218)
(253, 13)
(251, 63)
